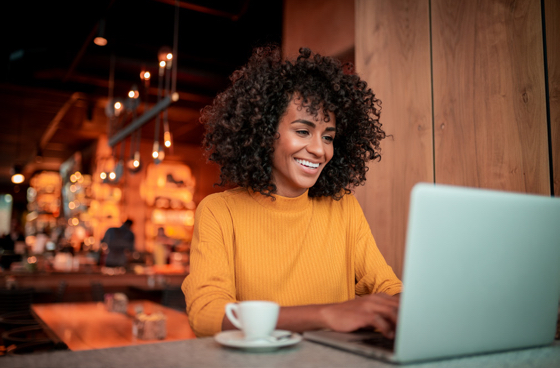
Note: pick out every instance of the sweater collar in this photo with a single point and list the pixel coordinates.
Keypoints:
(281, 203)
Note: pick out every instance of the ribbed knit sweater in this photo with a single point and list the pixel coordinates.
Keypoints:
(294, 251)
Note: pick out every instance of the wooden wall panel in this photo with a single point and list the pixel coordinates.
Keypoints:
(393, 56)
(552, 21)
(325, 26)
(489, 95)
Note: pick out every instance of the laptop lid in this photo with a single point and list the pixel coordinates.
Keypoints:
(481, 273)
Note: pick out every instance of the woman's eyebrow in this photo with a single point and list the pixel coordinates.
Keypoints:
(312, 124)
(305, 122)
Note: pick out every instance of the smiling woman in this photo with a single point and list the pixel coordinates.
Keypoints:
(303, 148)
(294, 136)
(242, 123)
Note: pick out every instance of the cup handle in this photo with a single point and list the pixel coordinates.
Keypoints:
(230, 307)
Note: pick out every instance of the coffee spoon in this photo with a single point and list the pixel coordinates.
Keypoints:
(282, 337)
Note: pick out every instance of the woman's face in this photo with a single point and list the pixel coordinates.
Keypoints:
(304, 147)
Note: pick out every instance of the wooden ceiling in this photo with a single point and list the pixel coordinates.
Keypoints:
(55, 82)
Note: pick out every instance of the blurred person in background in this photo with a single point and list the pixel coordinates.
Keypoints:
(120, 245)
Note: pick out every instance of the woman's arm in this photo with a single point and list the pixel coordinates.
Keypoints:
(379, 311)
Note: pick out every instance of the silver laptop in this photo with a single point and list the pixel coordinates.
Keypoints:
(481, 274)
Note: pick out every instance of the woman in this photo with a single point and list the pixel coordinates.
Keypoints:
(293, 136)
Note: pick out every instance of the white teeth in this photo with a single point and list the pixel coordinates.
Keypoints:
(307, 163)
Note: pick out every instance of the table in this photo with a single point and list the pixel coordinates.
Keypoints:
(205, 352)
(88, 325)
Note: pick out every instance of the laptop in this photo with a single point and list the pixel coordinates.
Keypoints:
(481, 275)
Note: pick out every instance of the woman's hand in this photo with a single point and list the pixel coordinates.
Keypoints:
(376, 310)
(379, 311)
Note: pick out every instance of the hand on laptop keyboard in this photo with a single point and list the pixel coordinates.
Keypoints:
(376, 310)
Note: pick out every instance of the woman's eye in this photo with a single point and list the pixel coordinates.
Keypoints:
(302, 132)
(328, 138)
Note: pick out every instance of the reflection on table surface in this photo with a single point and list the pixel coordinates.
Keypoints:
(86, 326)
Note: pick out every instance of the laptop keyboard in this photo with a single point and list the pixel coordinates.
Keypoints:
(379, 341)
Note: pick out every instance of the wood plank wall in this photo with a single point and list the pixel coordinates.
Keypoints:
(325, 26)
(393, 55)
(479, 65)
(489, 95)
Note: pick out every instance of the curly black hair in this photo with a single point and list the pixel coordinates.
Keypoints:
(242, 122)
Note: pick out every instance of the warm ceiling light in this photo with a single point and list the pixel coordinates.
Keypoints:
(145, 75)
(162, 64)
(112, 175)
(17, 176)
(133, 93)
(169, 56)
(155, 150)
(134, 163)
(167, 139)
(100, 41)
(118, 105)
(103, 175)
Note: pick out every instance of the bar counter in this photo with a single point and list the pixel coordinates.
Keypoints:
(205, 352)
(47, 280)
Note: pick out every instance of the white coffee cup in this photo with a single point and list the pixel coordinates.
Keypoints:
(257, 319)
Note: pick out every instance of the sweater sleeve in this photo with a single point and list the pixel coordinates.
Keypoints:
(373, 274)
(210, 284)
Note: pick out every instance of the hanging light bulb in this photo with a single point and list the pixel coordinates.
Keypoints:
(164, 57)
(167, 139)
(136, 161)
(145, 76)
(132, 102)
(114, 108)
(118, 107)
(100, 40)
(160, 156)
(17, 176)
(168, 60)
(155, 150)
(133, 93)
(134, 164)
(103, 175)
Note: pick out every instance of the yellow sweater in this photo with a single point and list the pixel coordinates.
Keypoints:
(294, 251)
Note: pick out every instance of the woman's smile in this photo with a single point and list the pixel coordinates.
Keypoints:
(307, 163)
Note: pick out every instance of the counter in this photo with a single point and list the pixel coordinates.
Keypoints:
(77, 286)
(46, 280)
(206, 352)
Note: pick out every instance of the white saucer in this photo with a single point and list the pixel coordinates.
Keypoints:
(236, 339)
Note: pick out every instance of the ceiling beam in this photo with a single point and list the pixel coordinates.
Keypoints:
(53, 126)
(203, 9)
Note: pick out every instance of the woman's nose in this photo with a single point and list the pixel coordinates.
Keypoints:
(315, 146)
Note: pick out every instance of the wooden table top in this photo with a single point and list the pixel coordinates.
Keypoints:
(86, 326)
